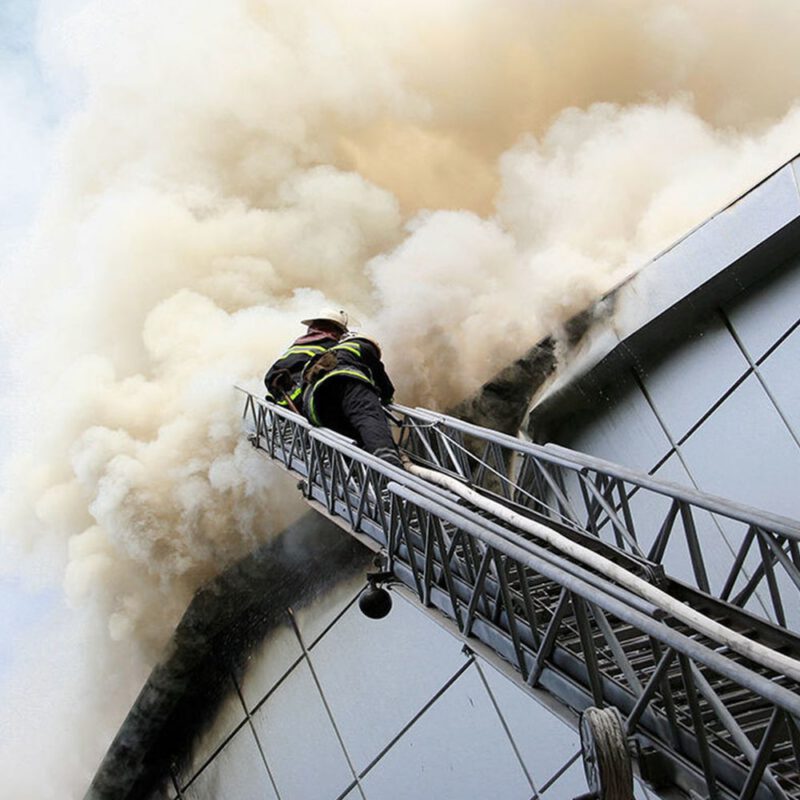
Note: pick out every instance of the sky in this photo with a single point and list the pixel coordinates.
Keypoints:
(29, 113)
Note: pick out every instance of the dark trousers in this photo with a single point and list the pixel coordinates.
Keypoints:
(352, 407)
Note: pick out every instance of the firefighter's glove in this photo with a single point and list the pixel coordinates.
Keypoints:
(282, 383)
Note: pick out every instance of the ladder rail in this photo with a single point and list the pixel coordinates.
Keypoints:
(752, 556)
(563, 456)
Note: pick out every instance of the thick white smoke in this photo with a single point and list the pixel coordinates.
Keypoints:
(462, 175)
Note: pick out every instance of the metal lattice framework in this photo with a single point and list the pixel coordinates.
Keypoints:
(754, 557)
(704, 717)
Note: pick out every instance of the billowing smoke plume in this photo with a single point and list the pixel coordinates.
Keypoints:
(463, 176)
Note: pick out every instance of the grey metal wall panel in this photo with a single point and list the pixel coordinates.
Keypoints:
(543, 741)
(694, 376)
(744, 451)
(268, 663)
(237, 772)
(562, 786)
(377, 674)
(763, 314)
(312, 619)
(781, 373)
(299, 741)
(621, 428)
(230, 714)
(457, 749)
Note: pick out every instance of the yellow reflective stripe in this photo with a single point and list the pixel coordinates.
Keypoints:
(353, 348)
(308, 350)
(293, 396)
(352, 373)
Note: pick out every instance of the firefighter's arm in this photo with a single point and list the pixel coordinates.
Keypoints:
(269, 377)
(382, 381)
(268, 383)
(385, 386)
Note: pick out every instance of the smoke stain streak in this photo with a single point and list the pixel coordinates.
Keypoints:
(212, 646)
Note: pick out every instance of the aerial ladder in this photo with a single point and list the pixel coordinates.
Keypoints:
(555, 561)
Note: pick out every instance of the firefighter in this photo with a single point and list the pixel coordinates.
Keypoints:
(282, 380)
(346, 389)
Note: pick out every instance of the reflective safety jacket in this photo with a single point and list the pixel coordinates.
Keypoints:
(283, 377)
(356, 359)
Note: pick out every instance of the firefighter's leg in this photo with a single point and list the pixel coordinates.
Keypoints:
(363, 410)
(329, 402)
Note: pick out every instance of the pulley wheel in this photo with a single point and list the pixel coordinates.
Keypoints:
(606, 757)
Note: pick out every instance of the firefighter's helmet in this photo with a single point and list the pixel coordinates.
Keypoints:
(338, 317)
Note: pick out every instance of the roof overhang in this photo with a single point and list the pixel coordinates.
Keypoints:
(737, 247)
